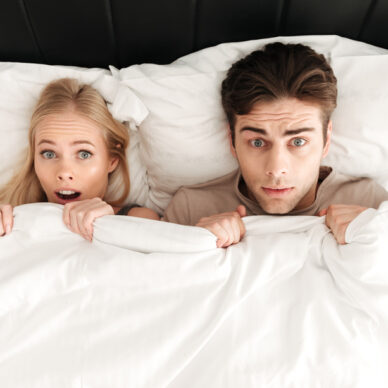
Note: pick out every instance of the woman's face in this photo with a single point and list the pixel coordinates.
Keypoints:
(71, 159)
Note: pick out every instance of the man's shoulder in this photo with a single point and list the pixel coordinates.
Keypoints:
(337, 178)
(353, 190)
(190, 203)
(214, 184)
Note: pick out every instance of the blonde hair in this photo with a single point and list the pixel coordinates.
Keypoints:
(57, 97)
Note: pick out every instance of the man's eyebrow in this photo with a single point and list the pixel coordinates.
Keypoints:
(253, 129)
(289, 132)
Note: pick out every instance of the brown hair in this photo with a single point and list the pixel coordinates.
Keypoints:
(57, 97)
(279, 71)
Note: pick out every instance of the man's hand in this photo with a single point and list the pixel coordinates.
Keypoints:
(79, 216)
(6, 219)
(338, 217)
(227, 227)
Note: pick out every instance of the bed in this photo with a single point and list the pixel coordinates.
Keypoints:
(153, 304)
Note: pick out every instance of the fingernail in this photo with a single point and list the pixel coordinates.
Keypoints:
(7, 229)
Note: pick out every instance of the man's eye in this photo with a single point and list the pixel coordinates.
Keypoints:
(84, 154)
(299, 142)
(48, 154)
(257, 143)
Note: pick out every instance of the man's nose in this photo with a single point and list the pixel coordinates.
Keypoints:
(277, 164)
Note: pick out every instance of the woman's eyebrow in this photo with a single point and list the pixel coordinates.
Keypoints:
(46, 141)
(82, 142)
(76, 142)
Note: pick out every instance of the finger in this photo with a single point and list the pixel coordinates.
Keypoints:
(219, 232)
(340, 233)
(322, 213)
(94, 212)
(82, 215)
(241, 210)
(234, 230)
(7, 218)
(74, 213)
(242, 229)
(2, 226)
(66, 213)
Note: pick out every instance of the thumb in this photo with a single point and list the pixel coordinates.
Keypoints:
(241, 210)
(322, 212)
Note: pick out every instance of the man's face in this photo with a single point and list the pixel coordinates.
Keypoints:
(279, 146)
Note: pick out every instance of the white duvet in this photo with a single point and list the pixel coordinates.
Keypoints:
(152, 304)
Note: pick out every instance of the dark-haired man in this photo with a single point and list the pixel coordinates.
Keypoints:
(278, 102)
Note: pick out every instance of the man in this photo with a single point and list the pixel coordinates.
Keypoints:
(278, 102)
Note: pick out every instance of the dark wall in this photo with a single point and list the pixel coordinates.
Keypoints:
(123, 32)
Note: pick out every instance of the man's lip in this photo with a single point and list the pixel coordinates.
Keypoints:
(277, 191)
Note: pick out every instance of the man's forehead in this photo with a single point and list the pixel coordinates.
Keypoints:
(287, 113)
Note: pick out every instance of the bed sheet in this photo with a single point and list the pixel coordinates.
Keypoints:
(152, 304)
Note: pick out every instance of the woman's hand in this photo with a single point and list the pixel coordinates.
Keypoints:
(6, 219)
(79, 216)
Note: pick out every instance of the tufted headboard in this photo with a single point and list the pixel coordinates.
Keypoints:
(97, 33)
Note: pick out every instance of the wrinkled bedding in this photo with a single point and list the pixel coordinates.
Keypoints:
(152, 304)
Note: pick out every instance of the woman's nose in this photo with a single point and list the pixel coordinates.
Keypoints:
(65, 176)
(65, 172)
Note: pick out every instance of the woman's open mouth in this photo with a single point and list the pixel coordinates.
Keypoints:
(67, 195)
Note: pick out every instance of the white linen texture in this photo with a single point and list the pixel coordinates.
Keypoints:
(153, 304)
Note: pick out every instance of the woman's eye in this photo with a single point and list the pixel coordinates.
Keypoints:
(48, 154)
(299, 142)
(84, 154)
(257, 143)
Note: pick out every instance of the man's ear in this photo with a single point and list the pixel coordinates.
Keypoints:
(231, 145)
(328, 139)
(113, 164)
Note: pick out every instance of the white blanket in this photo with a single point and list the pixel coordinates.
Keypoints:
(152, 304)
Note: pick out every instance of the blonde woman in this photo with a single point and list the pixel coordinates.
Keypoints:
(76, 149)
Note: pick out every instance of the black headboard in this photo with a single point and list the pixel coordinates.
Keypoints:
(97, 33)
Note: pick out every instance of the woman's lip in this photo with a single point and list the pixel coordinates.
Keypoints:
(63, 201)
(274, 192)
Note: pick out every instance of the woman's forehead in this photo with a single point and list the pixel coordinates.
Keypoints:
(67, 124)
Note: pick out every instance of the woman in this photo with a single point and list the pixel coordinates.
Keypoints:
(76, 149)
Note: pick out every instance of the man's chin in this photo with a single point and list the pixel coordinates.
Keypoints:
(277, 208)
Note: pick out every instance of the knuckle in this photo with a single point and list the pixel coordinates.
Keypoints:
(225, 222)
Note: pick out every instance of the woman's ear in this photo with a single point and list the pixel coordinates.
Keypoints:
(114, 161)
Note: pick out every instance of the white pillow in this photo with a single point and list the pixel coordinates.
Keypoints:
(20, 86)
(360, 144)
(184, 138)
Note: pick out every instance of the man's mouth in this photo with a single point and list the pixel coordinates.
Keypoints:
(277, 192)
(67, 195)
